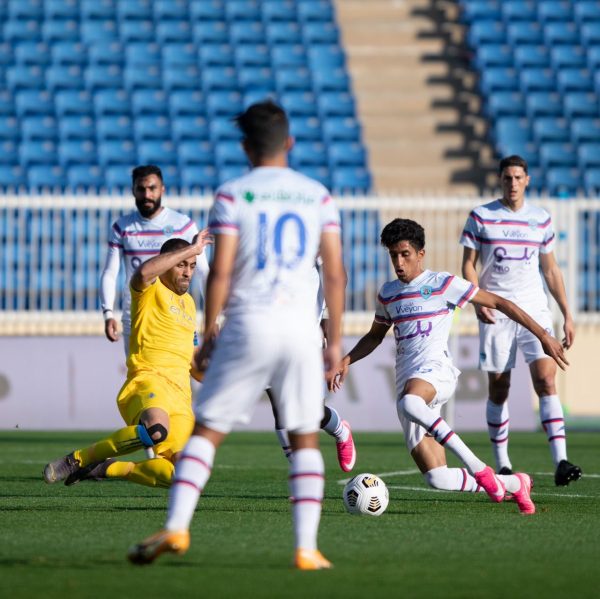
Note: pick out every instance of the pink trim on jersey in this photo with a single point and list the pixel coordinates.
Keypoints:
(214, 226)
(468, 294)
(382, 319)
(112, 244)
(421, 315)
(141, 252)
(504, 222)
(224, 196)
(157, 232)
(331, 226)
(548, 240)
(326, 199)
(413, 294)
(489, 241)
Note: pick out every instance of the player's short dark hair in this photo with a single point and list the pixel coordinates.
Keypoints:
(403, 229)
(513, 160)
(265, 127)
(145, 170)
(173, 244)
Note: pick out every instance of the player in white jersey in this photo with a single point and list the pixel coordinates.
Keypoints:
(269, 226)
(138, 236)
(514, 241)
(420, 305)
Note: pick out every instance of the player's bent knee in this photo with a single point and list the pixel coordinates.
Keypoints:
(410, 406)
(152, 435)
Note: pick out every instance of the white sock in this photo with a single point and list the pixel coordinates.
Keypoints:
(498, 426)
(191, 473)
(284, 441)
(553, 421)
(335, 425)
(452, 479)
(415, 409)
(306, 482)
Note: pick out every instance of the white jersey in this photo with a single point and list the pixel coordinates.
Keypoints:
(421, 312)
(135, 239)
(278, 215)
(509, 245)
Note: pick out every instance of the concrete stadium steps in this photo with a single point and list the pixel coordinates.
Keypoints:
(416, 96)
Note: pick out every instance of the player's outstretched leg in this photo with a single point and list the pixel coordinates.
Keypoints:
(340, 429)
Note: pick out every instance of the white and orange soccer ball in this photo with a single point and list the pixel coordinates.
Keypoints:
(366, 494)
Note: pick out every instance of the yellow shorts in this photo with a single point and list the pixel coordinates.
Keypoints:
(152, 391)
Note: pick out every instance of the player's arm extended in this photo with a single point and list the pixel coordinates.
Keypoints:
(469, 272)
(366, 344)
(551, 346)
(556, 286)
(150, 270)
(108, 291)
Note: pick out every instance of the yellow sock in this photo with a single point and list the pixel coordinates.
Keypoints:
(125, 440)
(157, 472)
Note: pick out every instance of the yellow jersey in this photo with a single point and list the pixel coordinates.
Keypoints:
(163, 334)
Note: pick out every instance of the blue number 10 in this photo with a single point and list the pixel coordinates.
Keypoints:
(278, 230)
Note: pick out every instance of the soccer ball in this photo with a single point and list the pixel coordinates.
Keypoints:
(366, 494)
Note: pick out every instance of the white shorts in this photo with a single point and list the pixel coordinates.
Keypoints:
(253, 353)
(498, 342)
(443, 376)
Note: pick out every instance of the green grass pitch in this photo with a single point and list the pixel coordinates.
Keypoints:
(59, 542)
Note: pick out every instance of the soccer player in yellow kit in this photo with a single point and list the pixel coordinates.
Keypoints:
(155, 401)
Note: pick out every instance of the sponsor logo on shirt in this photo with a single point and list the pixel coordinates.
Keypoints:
(514, 234)
(408, 309)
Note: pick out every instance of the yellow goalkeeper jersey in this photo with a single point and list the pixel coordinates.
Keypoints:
(163, 334)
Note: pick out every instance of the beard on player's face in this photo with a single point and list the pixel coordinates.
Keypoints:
(148, 207)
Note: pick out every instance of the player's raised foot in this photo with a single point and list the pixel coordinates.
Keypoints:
(566, 473)
(311, 559)
(505, 470)
(93, 471)
(346, 452)
(492, 485)
(522, 497)
(164, 541)
(60, 469)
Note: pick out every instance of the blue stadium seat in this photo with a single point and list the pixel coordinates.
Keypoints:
(15, 31)
(336, 103)
(351, 180)
(143, 53)
(258, 95)
(64, 77)
(210, 32)
(557, 154)
(46, 176)
(199, 177)
(574, 80)
(288, 55)
(101, 76)
(116, 152)
(590, 33)
(174, 31)
(7, 102)
(37, 152)
(106, 52)
(250, 78)
(11, 176)
(306, 128)
(179, 54)
(591, 181)
(519, 10)
(299, 103)
(33, 101)
(85, 176)
(195, 152)
(39, 128)
(486, 32)
(246, 33)
(111, 101)
(137, 31)
(278, 10)
(585, 129)
(498, 79)
(494, 55)
(25, 9)
(185, 101)
(219, 78)
(170, 9)
(341, 129)
(61, 30)
(525, 32)
(568, 57)
(114, 126)
(534, 79)
(346, 154)
(554, 11)
(207, 10)
(586, 11)
(73, 102)
(149, 101)
(157, 152)
(561, 33)
(563, 181)
(77, 151)
(151, 127)
(511, 131)
(134, 10)
(119, 177)
(171, 177)
(319, 173)
(25, 77)
(97, 31)
(216, 54)
(98, 9)
(228, 152)
(290, 79)
(176, 77)
(581, 104)
(252, 55)
(285, 32)
(320, 33)
(29, 52)
(221, 127)
(483, 10)
(242, 10)
(7, 54)
(544, 103)
(505, 103)
(61, 9)
(9, 152)
(321, 55)
(330, 79)
(588, 155)
(9, 128)
(142, 77)
(531, 56)
(308, 153)
(76, 126)
(550, 129)
(231, 171)
(317, 10)
(69, 53)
